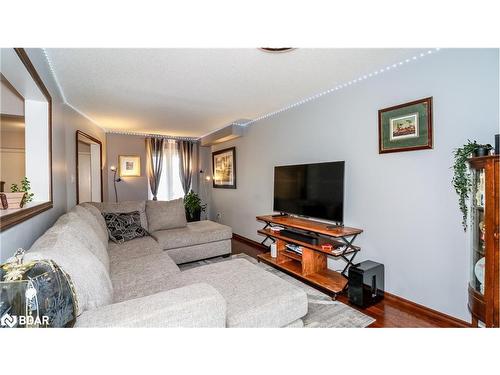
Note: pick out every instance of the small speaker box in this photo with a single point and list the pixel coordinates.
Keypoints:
(366, 283)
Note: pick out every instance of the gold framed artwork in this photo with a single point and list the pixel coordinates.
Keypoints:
(224, 168)
(405, 127)
(129, 166)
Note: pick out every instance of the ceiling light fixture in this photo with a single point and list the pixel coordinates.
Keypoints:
(276, 50)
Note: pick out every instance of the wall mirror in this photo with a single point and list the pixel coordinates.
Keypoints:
(26, 140)
(88, 168)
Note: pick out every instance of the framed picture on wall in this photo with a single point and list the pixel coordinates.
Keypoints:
(129, 166)
(405, 127)
(224, 168)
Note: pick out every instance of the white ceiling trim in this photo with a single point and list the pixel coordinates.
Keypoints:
(125, 132)
(54, 76)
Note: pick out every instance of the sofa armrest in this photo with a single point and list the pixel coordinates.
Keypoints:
(196, 305)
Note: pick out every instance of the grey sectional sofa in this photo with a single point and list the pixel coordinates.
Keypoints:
(138, 283)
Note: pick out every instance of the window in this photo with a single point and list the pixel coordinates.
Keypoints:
(170, 181)
(26, 137)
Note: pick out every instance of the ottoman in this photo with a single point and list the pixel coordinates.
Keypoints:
(255, 297)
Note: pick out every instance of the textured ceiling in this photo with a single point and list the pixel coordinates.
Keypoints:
(191, 92)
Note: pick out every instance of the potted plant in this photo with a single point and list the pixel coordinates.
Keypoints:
(193, 206)
(19, 196)
(462, 177)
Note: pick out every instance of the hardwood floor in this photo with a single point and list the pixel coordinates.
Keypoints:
(392, 311)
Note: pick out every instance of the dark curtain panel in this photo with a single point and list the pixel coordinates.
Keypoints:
(187, 163)
(154, 151)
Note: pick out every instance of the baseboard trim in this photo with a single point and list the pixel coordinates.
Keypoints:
(415, 307)
(452, 321)
(250, 242)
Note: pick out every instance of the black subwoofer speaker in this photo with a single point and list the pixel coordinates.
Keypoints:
(366, 283)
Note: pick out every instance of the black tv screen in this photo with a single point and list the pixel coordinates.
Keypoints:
(312, 190)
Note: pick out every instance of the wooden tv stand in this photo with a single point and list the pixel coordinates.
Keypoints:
(311, 265)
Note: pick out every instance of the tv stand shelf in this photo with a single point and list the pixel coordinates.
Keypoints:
(322, 240)
(309, 225)
(312, 264)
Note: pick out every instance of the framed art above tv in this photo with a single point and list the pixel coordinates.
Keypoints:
(405, 127)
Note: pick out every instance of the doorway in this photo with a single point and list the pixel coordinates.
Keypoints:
(88, 168)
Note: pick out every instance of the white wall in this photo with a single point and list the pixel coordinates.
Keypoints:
(37, 149)
(404, 201)
(10, 103)
(84, 177)
(95, 153)
(205, 186)
(65, 121)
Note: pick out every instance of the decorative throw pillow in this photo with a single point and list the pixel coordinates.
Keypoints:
(166, 214)
(124, 207)
(124, 226)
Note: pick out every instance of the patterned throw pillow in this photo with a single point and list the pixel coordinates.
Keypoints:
(124, 226)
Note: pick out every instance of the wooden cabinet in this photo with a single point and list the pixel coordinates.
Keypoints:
(484, 293)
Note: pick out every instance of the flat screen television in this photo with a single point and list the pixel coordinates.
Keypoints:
(311, 190)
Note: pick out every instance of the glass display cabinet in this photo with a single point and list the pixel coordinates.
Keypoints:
(484, 210)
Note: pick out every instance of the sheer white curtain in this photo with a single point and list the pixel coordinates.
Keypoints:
(170, 182)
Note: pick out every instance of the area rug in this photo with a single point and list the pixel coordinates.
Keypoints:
(322, 311)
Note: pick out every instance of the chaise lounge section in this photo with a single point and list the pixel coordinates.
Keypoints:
(166, 223)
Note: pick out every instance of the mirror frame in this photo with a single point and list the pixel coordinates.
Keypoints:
(24, 214)
(95, 140)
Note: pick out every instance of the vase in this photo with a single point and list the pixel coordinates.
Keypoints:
(481, 151)
(195, 217)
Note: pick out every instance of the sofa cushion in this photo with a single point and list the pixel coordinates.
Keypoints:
(166, 214)
(84, 233)
(124, 226)
(194, 306)
(193, 253)
(194, 233)
(133, 249)
(127, 206)
(98, 223)
(141, 276)
(255, 297)
(91, 280)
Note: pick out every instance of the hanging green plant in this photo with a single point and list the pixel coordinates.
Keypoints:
(462, 179)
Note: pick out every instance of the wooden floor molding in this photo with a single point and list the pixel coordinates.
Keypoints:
(432, 314)
(250, 242)
(392, 311)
